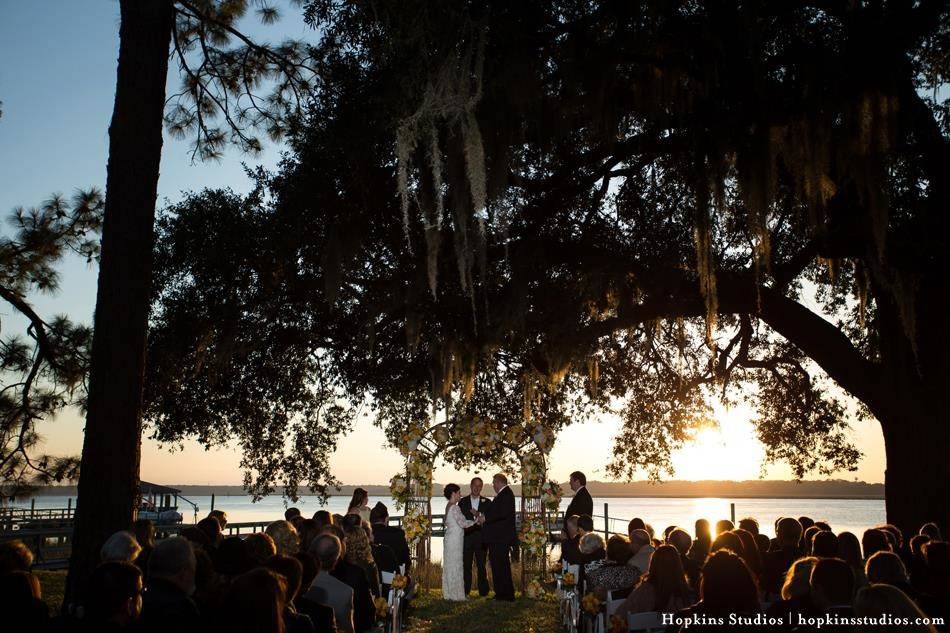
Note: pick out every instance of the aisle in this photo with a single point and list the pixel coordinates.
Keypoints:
(482, 615)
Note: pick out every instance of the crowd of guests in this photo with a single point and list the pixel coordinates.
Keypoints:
(300, 575)
(806, 577)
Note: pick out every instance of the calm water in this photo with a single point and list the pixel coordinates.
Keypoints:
(854, 515)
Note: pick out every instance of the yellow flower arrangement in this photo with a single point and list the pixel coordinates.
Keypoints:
(568, 579)
(551, 495)
(382, 608)
(415, 523)
(591, 603)
(617, 624)
(534, 538)
(534, 590)
(514, 435)
(400, 582)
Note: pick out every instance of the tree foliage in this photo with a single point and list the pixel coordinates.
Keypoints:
(43, 369)
(629, 206)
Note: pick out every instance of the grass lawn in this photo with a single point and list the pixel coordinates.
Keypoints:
(431, 614)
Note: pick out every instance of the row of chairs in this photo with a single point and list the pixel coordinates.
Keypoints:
(395, 622)
(569, 599)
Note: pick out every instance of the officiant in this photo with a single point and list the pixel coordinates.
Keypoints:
(474, 550)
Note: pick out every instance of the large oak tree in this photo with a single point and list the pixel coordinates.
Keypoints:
(644, 203)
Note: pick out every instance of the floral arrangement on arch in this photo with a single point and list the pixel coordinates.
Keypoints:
(415, 523)
(534, 537)
(551, 495)
(532, 473)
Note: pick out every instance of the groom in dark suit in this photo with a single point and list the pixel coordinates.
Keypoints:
(498, 532)
(582, 503)
(474, 549)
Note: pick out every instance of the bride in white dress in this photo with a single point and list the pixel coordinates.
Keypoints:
(453, 579)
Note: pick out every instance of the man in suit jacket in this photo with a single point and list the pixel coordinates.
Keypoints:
(474, 549)
(498, 533)
(581, 504)
(325, 588)
(390, 535)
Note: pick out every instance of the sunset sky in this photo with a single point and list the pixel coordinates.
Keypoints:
(48, 90)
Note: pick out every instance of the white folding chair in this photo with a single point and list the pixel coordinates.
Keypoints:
(651, 622)
(386, 577)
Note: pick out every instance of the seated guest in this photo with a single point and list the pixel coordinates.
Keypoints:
(895, 536)
(931, 530)
(613, 574)
(874, 541)
(144, 531)
(592, 548)
(877, 600)
(750, 525)
(307, 530)
(260, 547)
(642, 547)
(212, 530)
(232, 557)
(849, 550)
(285, 538)
(392, 536)
(113, 597)
(809, 539)
(663, 588)
(291, 513)
(121, 546)
(729, 541)
(725, 525)
(825, 545)
(198, 538)
(788, 532)
(666, 533)
(325, 589)
(832, 587)
(727, 587)
(210, 587)
(888, 568)
(359, 551)
(323, 518)
(15, 556)
(635, 523)
(917, 567)
(292, 572)
(823, 526)
(700, 547)
(935, 599)
(682, 542)
(763, 542)
(21, 602)
(359, 504)
(795, 593)
(221, 517)
(320, 615)
(570, 546)
(750, 551)
(170, 584)
(255, 603)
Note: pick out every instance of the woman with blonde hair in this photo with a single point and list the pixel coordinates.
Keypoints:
(795, 590)
(359, 551)
(285, 537)
(880, 600)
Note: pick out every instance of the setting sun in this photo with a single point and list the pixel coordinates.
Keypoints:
(727, 451)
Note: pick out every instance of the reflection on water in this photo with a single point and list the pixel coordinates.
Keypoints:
(854, 515)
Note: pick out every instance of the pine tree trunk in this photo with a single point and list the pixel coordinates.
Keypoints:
(109, 474)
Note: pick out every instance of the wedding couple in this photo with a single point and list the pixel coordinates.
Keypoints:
(496, 522)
